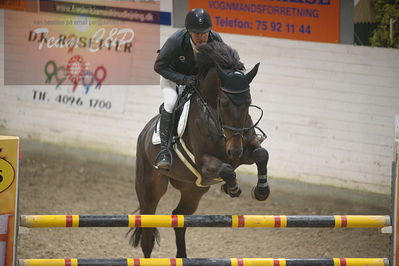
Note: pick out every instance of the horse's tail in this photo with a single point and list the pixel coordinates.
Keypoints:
(136, 236)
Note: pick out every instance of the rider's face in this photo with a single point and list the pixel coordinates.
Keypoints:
(199, 38)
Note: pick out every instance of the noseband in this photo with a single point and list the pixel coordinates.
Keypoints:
(243, 130)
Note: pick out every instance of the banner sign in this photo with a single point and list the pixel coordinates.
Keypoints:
(100, 11)
(137, 15)
(310, 20)
(13, 4)
(83, 45)
(108, 99)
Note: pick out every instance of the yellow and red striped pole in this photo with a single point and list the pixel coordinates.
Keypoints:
(208, 262)
(337, 221)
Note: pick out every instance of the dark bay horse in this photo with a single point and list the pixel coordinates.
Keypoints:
(221, 136)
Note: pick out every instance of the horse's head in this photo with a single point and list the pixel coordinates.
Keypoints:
(227, 91)
(233, 102)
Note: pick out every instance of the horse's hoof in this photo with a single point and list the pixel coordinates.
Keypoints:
(260, 194)
(235, 194)
(232, 193)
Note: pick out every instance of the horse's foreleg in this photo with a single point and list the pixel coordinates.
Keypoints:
(231, 186)
(213, 167)
(261, 157)
(188, 204)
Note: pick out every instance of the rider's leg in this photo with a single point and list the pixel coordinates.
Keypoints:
(169, 94)
(170, 98)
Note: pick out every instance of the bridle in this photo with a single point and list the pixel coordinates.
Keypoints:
(221, 127)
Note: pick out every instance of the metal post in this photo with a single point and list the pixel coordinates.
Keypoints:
(394, 196)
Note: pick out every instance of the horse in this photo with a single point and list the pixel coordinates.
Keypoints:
(220, 134)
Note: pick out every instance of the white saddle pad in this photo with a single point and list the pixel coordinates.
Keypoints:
(180, 127)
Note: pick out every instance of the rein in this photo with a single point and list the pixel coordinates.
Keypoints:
(244, 130)
(218, 121)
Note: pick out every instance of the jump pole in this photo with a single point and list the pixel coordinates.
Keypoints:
(353, 221)
(207, 262)
(266, 221)
(9, 156)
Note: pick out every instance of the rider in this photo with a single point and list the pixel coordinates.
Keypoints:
(176, 65)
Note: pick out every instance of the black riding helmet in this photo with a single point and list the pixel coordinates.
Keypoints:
(198, 20)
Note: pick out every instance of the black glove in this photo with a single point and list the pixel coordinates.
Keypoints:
(190, 81)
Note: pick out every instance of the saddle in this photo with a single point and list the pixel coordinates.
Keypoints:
(180, 118)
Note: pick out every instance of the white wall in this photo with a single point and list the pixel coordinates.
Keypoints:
(329, 111)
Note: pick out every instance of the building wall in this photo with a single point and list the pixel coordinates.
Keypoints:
(328, 111)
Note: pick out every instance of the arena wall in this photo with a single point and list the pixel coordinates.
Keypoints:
(329, 111)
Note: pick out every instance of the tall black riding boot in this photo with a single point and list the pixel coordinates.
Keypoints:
(163, 159)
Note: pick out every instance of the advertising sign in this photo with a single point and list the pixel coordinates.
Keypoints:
(311, 20)
(70, 52)
(13, 4)
(82, 44)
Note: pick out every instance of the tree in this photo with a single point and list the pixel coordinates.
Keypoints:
(387, 32)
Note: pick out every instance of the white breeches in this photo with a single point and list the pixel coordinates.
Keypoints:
(169, 94)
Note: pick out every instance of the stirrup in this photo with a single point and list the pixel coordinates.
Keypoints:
(163, 161)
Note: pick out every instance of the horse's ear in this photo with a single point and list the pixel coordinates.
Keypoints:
(222, 75)
(251, 74)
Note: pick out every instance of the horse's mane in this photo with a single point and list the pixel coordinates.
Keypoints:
(220, 53)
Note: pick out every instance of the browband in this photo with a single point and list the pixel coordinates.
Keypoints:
(234, 91)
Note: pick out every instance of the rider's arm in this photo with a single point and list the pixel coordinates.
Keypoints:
(164, 64)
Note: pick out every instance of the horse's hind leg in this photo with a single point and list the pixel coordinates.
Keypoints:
(190, 196)
(150, 187)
